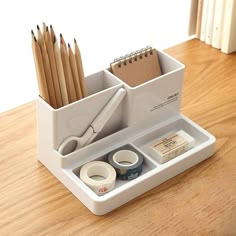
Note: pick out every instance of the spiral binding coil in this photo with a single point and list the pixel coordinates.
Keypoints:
(133, 56)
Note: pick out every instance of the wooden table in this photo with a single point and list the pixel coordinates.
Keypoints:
(200, 201)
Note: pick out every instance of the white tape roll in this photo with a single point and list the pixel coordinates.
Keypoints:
(99, 176)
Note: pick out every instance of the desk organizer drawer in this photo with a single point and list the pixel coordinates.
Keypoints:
(147, 113)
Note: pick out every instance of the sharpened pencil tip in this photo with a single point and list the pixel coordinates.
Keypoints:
(74, 40)
(68, 45)
(50, 26)
(35, 39)
(32, 32)
(38, 27)
(54, 39)
(61, 35)
(46, 28)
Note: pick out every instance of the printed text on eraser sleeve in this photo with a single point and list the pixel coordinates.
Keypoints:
(171, 146)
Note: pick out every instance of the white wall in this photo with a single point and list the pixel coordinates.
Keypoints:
(104, 30)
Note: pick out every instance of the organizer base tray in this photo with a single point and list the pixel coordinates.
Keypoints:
(67, 168)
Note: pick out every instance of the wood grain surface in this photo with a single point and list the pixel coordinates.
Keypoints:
(200, 201)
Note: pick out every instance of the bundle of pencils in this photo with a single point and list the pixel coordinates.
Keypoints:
(59, 70)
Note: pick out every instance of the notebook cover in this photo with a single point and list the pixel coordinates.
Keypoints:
(137, 68)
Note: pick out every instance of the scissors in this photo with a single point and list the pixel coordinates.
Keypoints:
(73, 143)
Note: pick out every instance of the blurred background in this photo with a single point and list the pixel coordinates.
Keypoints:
(103, 29)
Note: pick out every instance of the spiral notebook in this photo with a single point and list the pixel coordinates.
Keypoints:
(137, 67)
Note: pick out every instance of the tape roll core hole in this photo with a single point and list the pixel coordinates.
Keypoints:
(125, 158)
(98, 173)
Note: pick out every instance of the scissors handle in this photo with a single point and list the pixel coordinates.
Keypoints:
(73, 143)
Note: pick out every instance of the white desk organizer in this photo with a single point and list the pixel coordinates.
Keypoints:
(147, 113)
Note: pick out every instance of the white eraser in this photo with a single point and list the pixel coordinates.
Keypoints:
(171, 146)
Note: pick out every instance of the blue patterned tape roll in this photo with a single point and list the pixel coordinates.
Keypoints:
(127, 162)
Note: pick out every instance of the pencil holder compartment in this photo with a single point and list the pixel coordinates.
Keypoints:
(157, 98)
(55, 125)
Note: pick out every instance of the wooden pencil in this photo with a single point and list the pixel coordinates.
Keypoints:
(38, 61)
(52, 34)
(44, 30)
(47, 69)
(80, 69)
(63, 41)
(50, 51)
(75, 73)
(60, 72)
(67, 71)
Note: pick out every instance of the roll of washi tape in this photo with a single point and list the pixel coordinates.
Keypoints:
(127, 162)
(99, 176)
